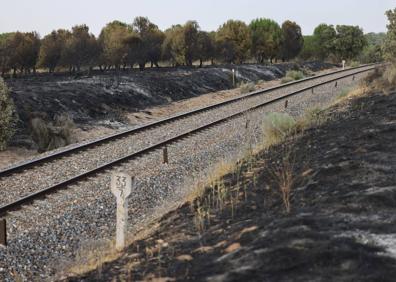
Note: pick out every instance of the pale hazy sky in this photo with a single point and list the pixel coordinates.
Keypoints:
(45, 15)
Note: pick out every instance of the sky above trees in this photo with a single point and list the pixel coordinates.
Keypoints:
(47, 15)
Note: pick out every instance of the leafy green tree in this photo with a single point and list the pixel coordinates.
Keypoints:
(7, 115)
(372, 52)
(180, 44)
(292, 40)
(266, 39)
(51, 49)
(349, 41)
(233, 41)
(205, 47)
(172, 47)
(24, 49)
(324, 37)
(389, 48)
(80, 48)
(309, 50)
(113, 41)
(148, 47)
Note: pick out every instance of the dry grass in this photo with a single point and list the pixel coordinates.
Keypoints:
(276, 127)
(383, 80)
(283, 175)
(93, 255)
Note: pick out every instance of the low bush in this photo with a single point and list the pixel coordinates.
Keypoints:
(292, 75)
(247, 87)
(7, 115)
(353, 64)
(52, 135)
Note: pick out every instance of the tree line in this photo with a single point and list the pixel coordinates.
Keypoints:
(121, 45)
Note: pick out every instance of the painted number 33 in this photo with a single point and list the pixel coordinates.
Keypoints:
(121, 182)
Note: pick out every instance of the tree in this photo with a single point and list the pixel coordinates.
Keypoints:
(180, 44)
(24, 49)
(148, 47)
(372, 52)
(292, 40)
(7, 112)
(113, 40)
(80, 49)
(51, 49)
(389, 48)
(5, 52)
(266, 39)
(349, 41)
(308, 51)
(172, 47)
(205, 47)
(324, 37)
(233, 41)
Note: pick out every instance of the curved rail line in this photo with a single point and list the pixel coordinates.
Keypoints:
(24, 200)
(147, 126)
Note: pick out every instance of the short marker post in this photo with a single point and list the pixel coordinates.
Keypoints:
(121, 187)
(165, 155)
(3, 232)
(286, 103)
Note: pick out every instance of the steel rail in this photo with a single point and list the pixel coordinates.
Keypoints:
(96, 142)
(29, 198)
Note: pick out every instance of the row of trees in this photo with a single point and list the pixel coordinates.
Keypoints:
(120, 45)
(340, 42)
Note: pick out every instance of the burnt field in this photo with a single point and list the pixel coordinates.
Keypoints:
(341, 224)
(105, 98)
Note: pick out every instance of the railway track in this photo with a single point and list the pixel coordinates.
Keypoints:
(36, 178)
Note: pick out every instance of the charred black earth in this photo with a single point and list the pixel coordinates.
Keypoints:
(87, 99)
(341, 226)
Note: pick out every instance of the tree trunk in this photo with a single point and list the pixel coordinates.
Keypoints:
(200, 63)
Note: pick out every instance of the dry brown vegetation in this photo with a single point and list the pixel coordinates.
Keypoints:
(52, 135)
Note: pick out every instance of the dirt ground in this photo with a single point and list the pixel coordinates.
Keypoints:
(342, 220)
(82, 133)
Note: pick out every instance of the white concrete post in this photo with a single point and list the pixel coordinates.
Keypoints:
(121, 187)
(343, 64)
(233, 77)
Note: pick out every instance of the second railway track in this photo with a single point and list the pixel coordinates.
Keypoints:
(33, 179)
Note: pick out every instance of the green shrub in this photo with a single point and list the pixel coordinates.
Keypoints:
(292, 75)
(354, 64)
(7, 115)
(344, 92)
(277, 126)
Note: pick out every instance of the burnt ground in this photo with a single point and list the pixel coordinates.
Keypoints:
(106, 97)
(342, 223)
